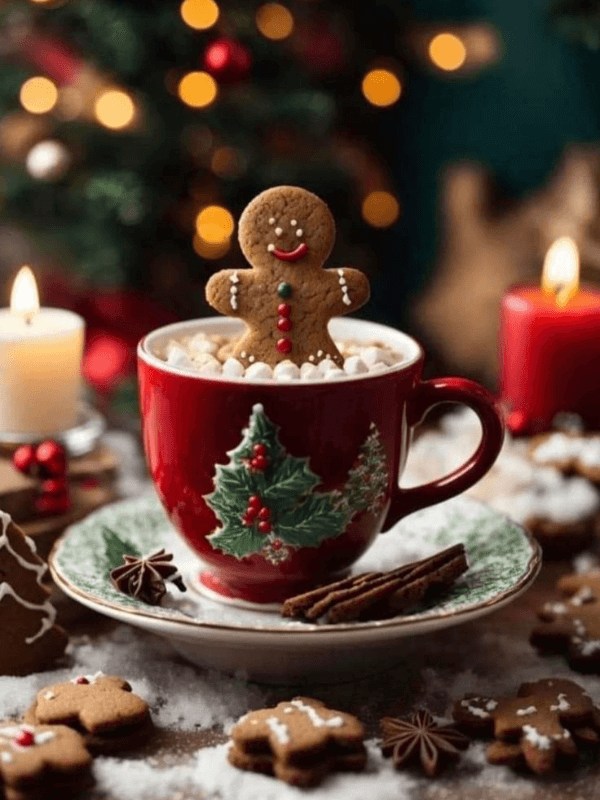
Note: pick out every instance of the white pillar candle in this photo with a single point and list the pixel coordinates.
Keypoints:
(40, 363)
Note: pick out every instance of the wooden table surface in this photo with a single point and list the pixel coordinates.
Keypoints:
(488, 656)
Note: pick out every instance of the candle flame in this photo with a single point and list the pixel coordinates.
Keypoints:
(24, 299)
(560, 275)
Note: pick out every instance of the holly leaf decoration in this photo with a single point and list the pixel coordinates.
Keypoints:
(115, 548)
(311, 522)
(237, 540)
(289, 480)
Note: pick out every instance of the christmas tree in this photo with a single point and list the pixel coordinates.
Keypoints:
(366, 487)
(265, 498)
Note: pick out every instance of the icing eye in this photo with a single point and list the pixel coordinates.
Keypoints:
(293, 223)
(299, 232)
(272, 221)
(270, 248)
(278, 231)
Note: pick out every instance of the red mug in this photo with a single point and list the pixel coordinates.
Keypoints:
(280, 486)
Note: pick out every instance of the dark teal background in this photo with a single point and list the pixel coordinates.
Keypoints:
(515, 117)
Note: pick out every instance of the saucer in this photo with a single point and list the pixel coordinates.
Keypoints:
(504, 560)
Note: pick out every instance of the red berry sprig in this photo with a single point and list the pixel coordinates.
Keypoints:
(257, 514)
(24, 739)
(260, 460)
(47, 462)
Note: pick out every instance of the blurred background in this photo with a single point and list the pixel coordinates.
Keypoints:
(454, 140)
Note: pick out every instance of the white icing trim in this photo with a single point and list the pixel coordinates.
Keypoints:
(317, 721)
(523, 712)
(233, 289)
(537, 739)
(279, 730)
(39, 569)
(46, 606)
(562, 705)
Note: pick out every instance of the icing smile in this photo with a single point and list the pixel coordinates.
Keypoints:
(290, 255)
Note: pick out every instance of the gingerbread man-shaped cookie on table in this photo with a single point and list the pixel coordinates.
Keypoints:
(286, 299)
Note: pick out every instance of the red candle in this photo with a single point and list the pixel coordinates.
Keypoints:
(550, 346)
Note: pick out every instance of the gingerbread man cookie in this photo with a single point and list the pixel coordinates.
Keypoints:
(110, 715)
(287, 298)
(42, 761)
(299, 741)
(539, 727)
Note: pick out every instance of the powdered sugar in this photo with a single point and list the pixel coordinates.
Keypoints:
(560, 447)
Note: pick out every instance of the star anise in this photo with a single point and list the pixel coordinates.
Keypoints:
(144, 578)
(419, 739)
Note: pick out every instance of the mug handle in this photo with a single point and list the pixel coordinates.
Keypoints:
(428, 394)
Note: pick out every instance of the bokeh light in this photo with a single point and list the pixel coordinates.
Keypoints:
(381, 87)
(227, 162)
(197, 89)
(380, 209)
(199, 14)
(447, 51)
(214, 224)
(38, 95)
(114, 109)
(208, 250)
(274, 21)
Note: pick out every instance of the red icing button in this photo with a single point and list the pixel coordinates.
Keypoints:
(81, 679)
(284, 324)
(25, 739)
(284, 309)
(284, 346)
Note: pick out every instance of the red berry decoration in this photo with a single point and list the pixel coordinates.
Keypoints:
(264, 513)
(276, 544)
(284, 309)
(25, 739)
(260, 449)
(254, 501)
(52, 459)
(264, 526)
(251, 513)
(227, 60)
(259, 463)
(24, 459)
(284, 346)
(52, 504)
(284, 324)
(82, 680)
(54, 486)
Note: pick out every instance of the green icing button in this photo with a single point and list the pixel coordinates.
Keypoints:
(284, 290)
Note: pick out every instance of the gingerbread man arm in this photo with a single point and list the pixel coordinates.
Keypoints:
(348, 290)
(225, 292)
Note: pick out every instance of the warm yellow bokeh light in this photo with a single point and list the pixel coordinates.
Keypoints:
(274, 21)
(214, 224)
(199, 14)
(381, 87)
(447, 51)
(225, 162)
(38, 95)
(114, 109)
(197, 89)
(380, 209)
(208, 250)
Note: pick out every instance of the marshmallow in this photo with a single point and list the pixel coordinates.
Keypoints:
(232, 368)
(259, 371)
(208, 365)
(373, 355)
(325, 365)
(200, 343)
(309, 372)
(334, 374)
(286, 371)
(378, 366)
(178, 357)
(354, 365)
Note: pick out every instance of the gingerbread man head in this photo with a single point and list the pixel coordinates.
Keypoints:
(286, 224)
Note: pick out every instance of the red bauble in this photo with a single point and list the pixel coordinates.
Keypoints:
(259, 463)
(25, 739)
(227, 60)
(265, 526)
(53, 504)
(260, 449)
(54, 486)
(24, 459)
(51, 458)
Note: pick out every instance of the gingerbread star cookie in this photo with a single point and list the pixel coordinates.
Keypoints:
(571, 624)
(299, 741)
(571, 453)
(42, 761)
(110, 715)
(540, 727)
(286, 299)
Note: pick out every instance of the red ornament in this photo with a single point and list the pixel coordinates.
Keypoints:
(259, 463)
(264, 526)
(264, 513)
(284, 324)
(284, 346)
(25, 739)
(81, 680)
(52, 504)
(276, 544)
(24, 459)
(227, 60)
(260, 449)
(54, 486)
(284, 309)
(52, 458)
(254, 501)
